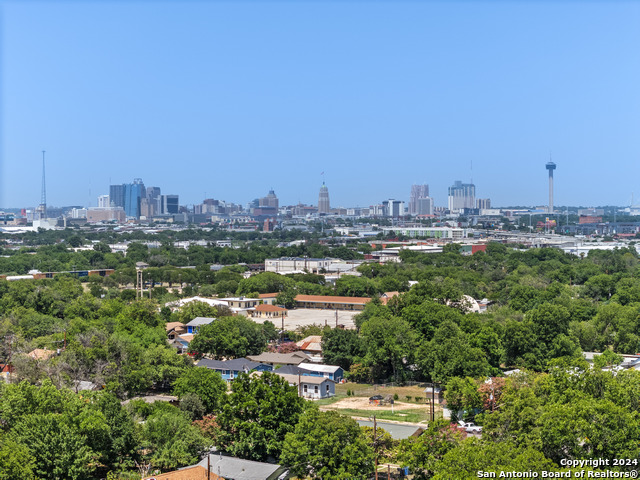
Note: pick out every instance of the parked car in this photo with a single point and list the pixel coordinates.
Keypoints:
(470, 427)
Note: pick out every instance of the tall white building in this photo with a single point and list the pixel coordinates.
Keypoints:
(461, 196)
(103, 201)
(394, 208)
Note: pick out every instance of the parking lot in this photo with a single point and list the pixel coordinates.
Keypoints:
(302, 317)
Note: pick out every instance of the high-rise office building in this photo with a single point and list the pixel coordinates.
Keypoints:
(133, 194)
(417, 192)
(169, 204)
(425, 206)
(323, 200)
(128, 196)
(271, 200)
(483, 203)
(103, 201)
(151, 202)
(394, 208)
(461, 196)
(116, 195)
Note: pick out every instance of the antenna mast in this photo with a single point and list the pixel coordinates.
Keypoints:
(43, 197)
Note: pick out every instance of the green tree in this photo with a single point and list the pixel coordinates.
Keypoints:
(449, 355)
(102, 247)
(206, 384)
(389, 346)
(233, 337)
(588, 428)
(75, 241)
(474, 455)
(171, 438)
(196, 309)
(258, 414)
(350, 286)
(287, 297)
(327, 445)
(422, 454)
(341, 347)
(16, 461)
(58, 449)
(428, 316)
(462, 394)
(266, 282)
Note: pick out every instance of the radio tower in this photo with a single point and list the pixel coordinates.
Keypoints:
(43, 197)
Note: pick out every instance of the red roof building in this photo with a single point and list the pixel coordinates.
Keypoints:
(331, 302)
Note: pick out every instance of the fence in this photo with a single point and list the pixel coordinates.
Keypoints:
(373, 389)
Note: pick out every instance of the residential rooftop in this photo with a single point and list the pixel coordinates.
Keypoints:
(200, 321)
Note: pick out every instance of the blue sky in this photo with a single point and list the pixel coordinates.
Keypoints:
(230, 99)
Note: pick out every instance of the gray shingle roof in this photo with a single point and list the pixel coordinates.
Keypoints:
(284, 358)
(239, 469)
(288, 370)
(397, 431)
(200, 321)
(237, 364)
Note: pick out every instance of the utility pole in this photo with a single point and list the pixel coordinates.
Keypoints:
(282, 334)
(336, 318)
(9, 359)
(375, 443)
(433, 401)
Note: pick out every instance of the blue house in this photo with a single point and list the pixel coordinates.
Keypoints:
(196, 323)
(230, 369)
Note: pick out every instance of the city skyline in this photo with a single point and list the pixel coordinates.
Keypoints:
(215, 100)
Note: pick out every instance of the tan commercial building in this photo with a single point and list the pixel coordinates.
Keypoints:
(269, 311)
(297, 264)
(106, 214)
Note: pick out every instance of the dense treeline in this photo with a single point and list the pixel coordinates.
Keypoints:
(60, 257)
(76, 236)
(546, 308)
(546, 305)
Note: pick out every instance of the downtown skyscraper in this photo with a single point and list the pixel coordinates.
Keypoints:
(417, 192)
(323, 200)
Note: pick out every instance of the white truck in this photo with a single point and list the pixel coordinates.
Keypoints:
(470, 427)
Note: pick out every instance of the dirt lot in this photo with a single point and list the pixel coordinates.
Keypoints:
(360, 403)
(364, 390)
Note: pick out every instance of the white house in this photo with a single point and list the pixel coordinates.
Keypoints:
(311, 387)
